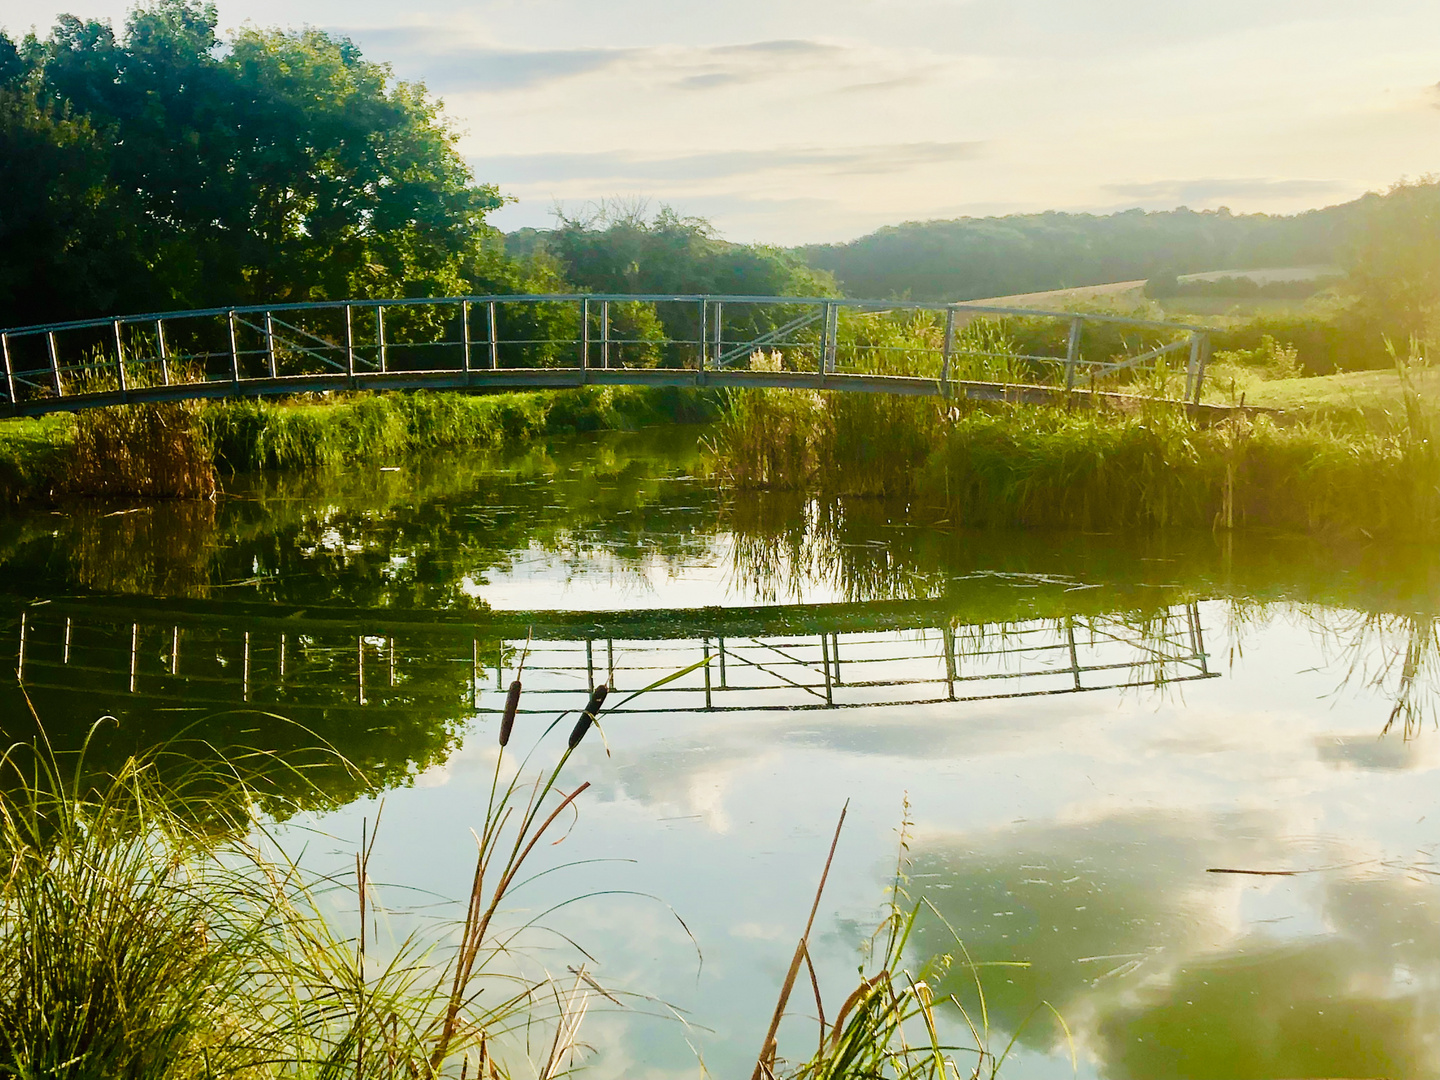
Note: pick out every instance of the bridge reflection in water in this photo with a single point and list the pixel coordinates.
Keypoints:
(172, 655)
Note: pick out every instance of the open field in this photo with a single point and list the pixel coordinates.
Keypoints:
(1128, 298)
(1372, 395)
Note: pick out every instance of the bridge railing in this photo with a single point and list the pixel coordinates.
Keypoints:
(509, 341)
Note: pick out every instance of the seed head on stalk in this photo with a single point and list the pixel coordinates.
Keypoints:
(597, 698)
(512, 703)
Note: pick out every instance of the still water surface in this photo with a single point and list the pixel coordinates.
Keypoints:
(1085, 727)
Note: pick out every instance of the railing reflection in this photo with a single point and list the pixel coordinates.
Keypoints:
(827, 656)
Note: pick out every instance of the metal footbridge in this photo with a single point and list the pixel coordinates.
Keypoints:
(533, 342)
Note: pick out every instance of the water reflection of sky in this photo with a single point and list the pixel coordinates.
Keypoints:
(1072, 832)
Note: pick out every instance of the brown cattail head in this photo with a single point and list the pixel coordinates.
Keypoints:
(512, 702)
(597, 698)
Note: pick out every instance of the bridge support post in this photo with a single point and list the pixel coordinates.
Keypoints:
(465, 333)
(9, 367)
(164, 351)
(1072, 353)
(234, 352)
(54, 362)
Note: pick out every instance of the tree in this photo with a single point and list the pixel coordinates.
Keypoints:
(616, 249)
(1395, 261)
(160, 169)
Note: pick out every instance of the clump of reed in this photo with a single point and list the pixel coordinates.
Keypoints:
(890, 1026)
(148, 450)
(153, 451)
(144, 933)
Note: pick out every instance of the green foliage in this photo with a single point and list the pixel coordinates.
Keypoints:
(163, 167)
(268, 435)
(970, 258)
(1395, 262)
(1039, 467)
(615, 249)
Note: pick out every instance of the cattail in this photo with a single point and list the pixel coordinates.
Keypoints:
(512, 702)
(597, 698)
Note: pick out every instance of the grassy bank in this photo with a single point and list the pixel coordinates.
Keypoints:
(1020, 466)
(177, 450)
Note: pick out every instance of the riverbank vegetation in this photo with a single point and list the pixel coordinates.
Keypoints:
(1094, 467)
(180, 450)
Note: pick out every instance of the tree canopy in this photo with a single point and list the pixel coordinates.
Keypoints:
(619, 249)
(165, 168)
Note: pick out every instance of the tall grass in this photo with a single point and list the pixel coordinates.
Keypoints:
(1094, 469)
(144, 933)
(891, 1026)
(328, 432)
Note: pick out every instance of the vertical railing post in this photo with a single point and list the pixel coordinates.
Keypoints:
(1072, 354)
(1200, 639)
(947, 351)
(270, 345)
(54, 362)
(708, 702)
(350, 343)
(234, 350)
(947, 642)
(824, 337)
(604, 333)
(1200, 355)
(832, 338)
(719, 332)
(380, 336)
(584, 339)
(9, 367)
(120, 359)
(164, 351)
(465, 331)
(700, 352)
(494, 338)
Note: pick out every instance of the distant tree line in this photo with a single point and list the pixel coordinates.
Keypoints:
(973, 258)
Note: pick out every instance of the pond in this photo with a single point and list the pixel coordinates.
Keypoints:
(1189, 782)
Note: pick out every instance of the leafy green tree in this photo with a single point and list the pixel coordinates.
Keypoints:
(617, 250)
(1395, 261)
(169, 168)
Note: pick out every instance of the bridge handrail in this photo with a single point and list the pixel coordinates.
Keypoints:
(654, 298)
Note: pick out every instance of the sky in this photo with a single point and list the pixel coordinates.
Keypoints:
(797, 121)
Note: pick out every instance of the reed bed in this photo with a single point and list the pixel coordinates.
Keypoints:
(1091, 469)
(328, 432)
